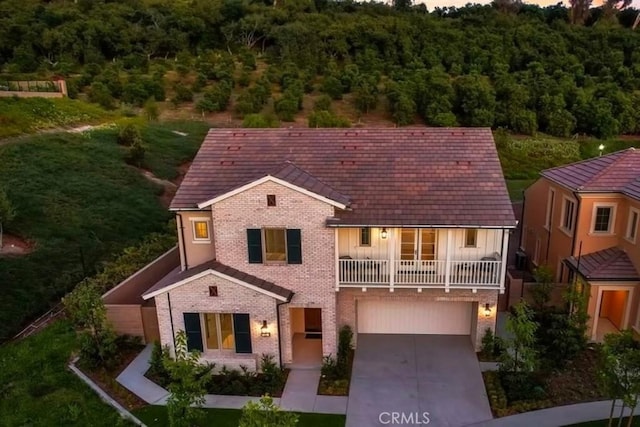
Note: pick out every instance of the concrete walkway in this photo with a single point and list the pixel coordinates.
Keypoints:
(554, 417)
(299, 392)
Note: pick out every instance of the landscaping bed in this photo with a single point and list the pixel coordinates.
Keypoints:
(331, 386)
(232, 382)
(105, 378)
(336, 373)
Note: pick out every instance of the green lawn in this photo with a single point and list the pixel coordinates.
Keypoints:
(37, 389)
(156, 416)
(80, 204)
(27, 115)
(605, 423)
(516, 187)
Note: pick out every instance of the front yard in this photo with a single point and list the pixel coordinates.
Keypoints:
(156, 416)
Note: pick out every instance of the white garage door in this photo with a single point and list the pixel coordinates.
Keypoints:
(414, 317)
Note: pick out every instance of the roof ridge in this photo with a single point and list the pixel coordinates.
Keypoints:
(616, 255)
(589, 160)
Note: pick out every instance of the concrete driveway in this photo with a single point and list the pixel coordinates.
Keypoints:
(412, 375)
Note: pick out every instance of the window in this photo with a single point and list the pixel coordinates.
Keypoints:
(222, 332)
(274, 245)
(470, 238)
(568, 212)
(271, 199)
(365, 236)
(219, 331)
(550, 199)
(603, 217)
(632, 226)
(201, 230)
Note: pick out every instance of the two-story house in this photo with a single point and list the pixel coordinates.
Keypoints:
(582, 219)
(285, 235)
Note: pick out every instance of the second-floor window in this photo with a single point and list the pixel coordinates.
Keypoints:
(471, 238)
(632, 226)
(201, 230)
(365, 236)
(274, 245)
(603, 219)
(550, 199)
(568, 214)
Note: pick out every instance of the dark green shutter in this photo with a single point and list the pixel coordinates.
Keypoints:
(294, 246)
(254, 243)
(242, 332)
(193, 330)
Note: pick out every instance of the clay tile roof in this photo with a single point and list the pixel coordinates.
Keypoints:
(389, 176)
(607, 264)
(176, 276)
(617, 172)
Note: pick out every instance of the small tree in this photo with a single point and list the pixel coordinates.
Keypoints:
(151, 110)
(266, 414)
(87, 312)
(187, 383)
(520, 354)
(620, 372)
(7, 212)
(541, 292)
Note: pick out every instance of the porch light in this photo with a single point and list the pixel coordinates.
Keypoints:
(601, 148)
(264, 330)
(487, 310)
(383, 233)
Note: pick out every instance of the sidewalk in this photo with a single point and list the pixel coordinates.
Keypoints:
(299, 392)
(554, 417)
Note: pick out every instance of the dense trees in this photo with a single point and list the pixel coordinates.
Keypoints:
(559, 70)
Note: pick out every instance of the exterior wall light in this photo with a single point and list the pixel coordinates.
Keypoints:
(383, 233)
(487, 310)
(264, 330)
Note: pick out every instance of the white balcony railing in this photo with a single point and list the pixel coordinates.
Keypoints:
(417, 273)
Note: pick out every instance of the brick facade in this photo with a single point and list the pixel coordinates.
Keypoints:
(347, 305)
(313, 281)
(194, 297)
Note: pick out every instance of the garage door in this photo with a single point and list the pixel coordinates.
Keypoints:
(414, 317)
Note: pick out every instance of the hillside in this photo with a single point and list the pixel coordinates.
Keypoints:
(326, 63)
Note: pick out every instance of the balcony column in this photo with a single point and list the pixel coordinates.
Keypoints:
(391, 266)
(337, 258)
(447, 265)
(503, 264)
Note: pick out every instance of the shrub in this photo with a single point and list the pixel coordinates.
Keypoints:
(156, 362)
(326, 119)
(273, 376)
(266, 414)
(100, 94)
(521, 386)
(541, 291)
(559, 338)
(489, 348)
(244, 79)
(286, 108)
(322, 103)
(129, 135)
(520, 354)
(495, 392)
(259, 121)
(329, 368)
(216, 98)
(151, 110)
(182, 94)
(135, 154)
(332, 87)
(345, 337)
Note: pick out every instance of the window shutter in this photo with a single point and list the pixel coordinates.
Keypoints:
(254, 243)
(242, 332)
(194, 331)
(294, 246)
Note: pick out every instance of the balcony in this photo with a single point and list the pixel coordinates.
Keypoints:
(421, 258)
(481, 274)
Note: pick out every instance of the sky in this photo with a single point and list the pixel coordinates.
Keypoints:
(458, 3)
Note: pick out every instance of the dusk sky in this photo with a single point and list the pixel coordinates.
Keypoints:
(442, 3)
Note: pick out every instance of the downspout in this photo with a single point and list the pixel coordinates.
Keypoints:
(575, 226)
(278, 304)
(184, 249)
(553, 201)
(524, 200)
(173, 334)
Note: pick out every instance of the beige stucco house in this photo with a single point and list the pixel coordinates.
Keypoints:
(286, 235)
(582, 219)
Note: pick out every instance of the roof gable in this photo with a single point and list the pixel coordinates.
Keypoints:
(223, 271)
(607, 264)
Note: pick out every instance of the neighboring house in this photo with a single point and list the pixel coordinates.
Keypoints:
(286, 235)
(583, 218)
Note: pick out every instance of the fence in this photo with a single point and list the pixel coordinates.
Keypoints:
(33, 88)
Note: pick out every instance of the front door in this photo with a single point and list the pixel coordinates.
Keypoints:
(312, 320)
(417, 244)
